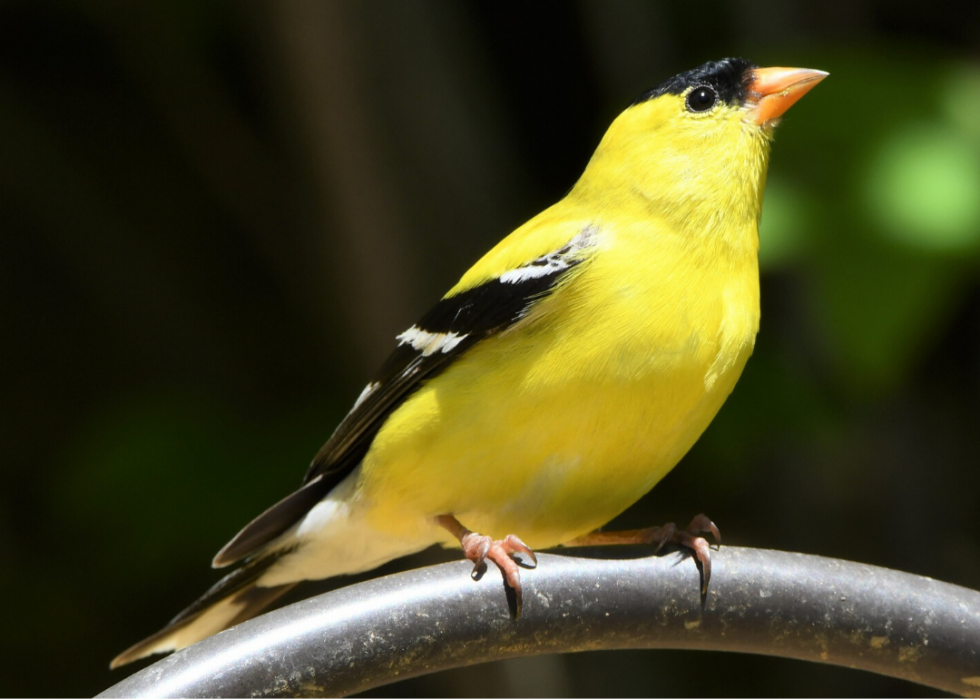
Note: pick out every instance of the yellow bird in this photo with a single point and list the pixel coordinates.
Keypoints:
(563, 376)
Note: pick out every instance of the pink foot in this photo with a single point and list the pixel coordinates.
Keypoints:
(480, 548)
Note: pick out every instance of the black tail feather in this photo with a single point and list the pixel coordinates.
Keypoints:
(271, 523)
(237, 588)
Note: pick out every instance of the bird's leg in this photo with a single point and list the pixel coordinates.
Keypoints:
(479, 549)
(689, 537)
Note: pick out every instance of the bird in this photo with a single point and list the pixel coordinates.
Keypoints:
(559, 380)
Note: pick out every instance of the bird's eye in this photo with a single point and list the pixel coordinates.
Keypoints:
(701, 99)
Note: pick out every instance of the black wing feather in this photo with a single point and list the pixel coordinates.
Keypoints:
(476, 313)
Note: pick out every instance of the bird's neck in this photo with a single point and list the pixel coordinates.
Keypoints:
(716, 201)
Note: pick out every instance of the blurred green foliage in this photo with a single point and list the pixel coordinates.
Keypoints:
(216, 216)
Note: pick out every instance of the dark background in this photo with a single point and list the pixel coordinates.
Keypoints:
(215, 216)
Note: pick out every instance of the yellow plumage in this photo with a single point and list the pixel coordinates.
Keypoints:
(552, 431)
(563, 376)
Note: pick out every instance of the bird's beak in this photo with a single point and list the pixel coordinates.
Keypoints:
(774, 90)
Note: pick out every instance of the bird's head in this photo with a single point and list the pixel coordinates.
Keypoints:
(698, 144)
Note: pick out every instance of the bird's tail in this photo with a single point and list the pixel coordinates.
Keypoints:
(232, 600)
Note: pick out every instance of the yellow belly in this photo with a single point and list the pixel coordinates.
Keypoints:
(553, 429)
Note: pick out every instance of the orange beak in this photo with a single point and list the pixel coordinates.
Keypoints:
(774, 90)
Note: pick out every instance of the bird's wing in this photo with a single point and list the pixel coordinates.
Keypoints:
(445, 333)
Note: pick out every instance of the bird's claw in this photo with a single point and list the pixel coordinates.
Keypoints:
(480, 548)
(690, 538)
(661, 535)
(516, 547)
(701, 524)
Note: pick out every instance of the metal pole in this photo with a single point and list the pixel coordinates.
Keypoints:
(768, 602)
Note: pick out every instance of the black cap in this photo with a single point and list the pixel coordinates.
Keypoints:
(729, 77)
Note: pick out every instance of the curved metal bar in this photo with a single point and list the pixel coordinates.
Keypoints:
(769, 602)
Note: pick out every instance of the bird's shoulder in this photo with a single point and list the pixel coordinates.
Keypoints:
(560, 230)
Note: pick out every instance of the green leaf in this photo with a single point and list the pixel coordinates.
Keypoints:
(923, 188)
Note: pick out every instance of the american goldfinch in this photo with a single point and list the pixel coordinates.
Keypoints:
(563, 376)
